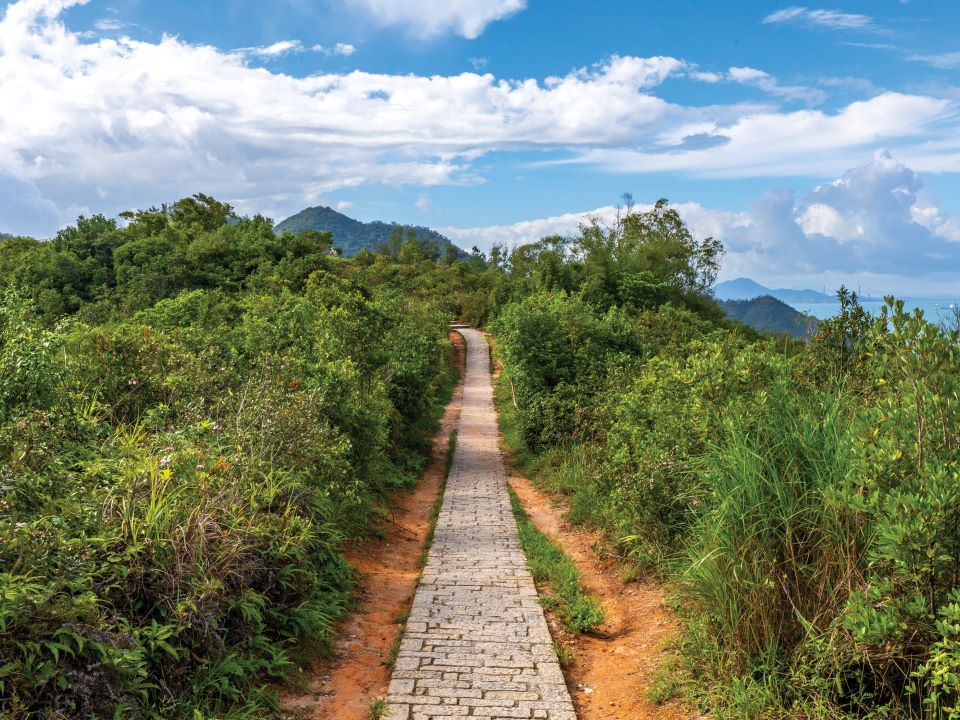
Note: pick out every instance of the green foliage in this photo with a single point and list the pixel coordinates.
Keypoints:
(940, 673)
(196, 412)
(554, 378)
(30, 371)
(564, 655)
(660, 427)
(904, 491)
(175, 488)
(377, 709)
(645, 255)
(803, 499)
(768, 558)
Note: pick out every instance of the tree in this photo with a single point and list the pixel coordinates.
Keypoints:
(657, 242)
(201, 211)
(391, 248)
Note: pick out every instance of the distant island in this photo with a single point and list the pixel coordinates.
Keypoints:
(747, 289)
(767, 309)
(768, 314)
(351, 236)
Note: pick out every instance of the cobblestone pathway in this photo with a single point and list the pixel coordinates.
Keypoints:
(477, 643)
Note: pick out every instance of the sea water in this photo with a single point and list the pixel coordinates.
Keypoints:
(935, 310)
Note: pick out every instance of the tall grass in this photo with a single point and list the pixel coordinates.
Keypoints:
(771, 558)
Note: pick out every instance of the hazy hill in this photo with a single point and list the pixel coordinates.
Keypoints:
(352, 236)
(768, 314)
(746, 289)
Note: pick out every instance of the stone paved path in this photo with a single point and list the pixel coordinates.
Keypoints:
(477, 643)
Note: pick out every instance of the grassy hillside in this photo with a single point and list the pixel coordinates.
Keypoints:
(351, 236)
(767, 314)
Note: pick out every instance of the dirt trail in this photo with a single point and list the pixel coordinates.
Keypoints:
(612, 670)
(343, 688)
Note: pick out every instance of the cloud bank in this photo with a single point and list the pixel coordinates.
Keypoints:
(871, 224)
(111, 123)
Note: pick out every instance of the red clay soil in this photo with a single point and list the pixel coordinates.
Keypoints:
(612, 668)
(344, 687)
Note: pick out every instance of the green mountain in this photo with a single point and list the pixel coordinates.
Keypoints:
(351, 236)
(768, 314)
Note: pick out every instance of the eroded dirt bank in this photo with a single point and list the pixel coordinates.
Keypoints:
(612, 669)
(343, 687)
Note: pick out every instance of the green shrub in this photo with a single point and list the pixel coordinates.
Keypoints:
(175, 489)
(804, 499)
(904, 492)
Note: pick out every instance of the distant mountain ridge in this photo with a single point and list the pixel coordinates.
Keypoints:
(768, 314)
(747, 289)
(351, 236)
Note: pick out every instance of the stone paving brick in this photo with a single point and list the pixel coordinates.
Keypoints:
(477, 643)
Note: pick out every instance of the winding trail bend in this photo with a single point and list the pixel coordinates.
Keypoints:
(476, 642)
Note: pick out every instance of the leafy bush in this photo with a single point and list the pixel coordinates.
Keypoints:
(175, 489)
(802, 498)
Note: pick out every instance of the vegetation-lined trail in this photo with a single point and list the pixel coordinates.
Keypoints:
(477, 642)
(199, 418)
(612, 669)
(388, 565)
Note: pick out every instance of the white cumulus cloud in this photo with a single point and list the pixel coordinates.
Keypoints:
(703, 222)
(118, 123)
(142, 120)
(525, 231)
(872, 224)
(874, 219)
(804, 142)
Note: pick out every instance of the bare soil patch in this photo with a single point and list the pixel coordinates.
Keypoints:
(613, 667)
(343, 687)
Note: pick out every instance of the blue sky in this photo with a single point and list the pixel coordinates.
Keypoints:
(821, 143)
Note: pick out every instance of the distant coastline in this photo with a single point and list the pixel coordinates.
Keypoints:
(934, 309)
(823, 305)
